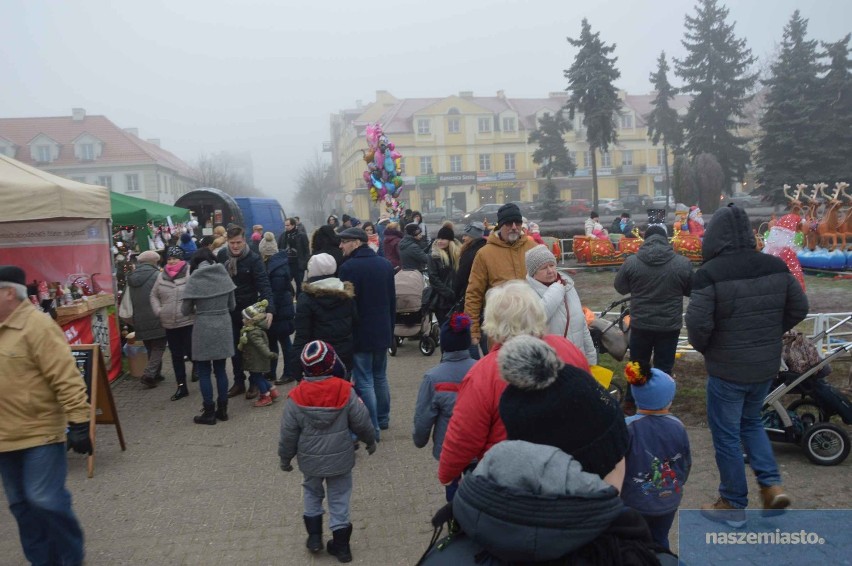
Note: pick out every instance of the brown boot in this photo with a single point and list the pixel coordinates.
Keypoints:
(723, 512)
(774, 499)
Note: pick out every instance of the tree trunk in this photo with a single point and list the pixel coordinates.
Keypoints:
(594, 179)
(669, 193)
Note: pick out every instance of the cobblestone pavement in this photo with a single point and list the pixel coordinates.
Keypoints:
(213, 495)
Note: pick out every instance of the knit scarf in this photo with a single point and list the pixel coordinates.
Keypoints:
(174, 269)
(231, 262)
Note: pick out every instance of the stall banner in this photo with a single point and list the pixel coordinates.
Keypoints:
(52, 250)
(100, 328)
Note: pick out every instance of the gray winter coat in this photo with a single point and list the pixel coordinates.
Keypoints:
(742, 302)
(412, 254)
(209, 293)
(166, 297)
(437, 397)
(315, 427)
(657, 280)
(563, 309)
(140, 283)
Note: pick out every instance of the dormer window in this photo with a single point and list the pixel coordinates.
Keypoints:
(87, 147)
(44, 153)
(87, 152)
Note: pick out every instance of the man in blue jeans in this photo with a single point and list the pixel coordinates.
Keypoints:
(375, 297)
(742, 303)
(41, 395)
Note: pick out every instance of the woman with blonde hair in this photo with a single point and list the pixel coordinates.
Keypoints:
(511, 309)
(443, 266)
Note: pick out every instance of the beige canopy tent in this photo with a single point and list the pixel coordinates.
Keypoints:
(28, 194)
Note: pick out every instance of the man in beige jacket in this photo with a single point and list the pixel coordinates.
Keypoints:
(41, 395)
(501, 259)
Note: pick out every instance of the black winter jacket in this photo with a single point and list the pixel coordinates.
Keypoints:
(298, 243)
(657, 280)
(441, 279)
(465, 265)
(411, 254)
(251, 280)
(742, 302)
(326, 311)
(278, 268)
(325, 241)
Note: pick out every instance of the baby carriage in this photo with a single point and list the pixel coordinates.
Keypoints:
(805, 420)
(413, 318)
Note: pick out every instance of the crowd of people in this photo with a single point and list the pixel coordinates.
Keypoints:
(511, 408)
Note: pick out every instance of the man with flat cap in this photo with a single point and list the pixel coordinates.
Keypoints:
(502, 259)
(41, 395)
(375, 297)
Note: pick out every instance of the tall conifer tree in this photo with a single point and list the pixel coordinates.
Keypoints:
(789, 150)
(835, 122)
(553, 157)
(716, 72)
(663, 121)
(590, 84)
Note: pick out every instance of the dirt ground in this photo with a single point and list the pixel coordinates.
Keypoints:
(825, 294)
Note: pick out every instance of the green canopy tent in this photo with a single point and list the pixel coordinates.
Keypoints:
(130, 211)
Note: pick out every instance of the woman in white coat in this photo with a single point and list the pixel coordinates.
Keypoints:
(560, 300)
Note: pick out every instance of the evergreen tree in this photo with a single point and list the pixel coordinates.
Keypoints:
(789, 149)
(663, 121)
(590, 81)
(715, 71)
(835, 106)
(553, 157)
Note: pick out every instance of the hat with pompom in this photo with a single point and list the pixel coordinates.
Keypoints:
(319, 359)
(256, 310)
(652, 389)
(268, 246)
(550, 402)
(455, 333)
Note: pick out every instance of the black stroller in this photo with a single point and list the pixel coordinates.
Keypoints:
(805, 421)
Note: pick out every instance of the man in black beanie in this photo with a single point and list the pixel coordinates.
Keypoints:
(502, 259)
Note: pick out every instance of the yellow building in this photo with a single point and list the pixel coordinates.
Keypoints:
(466, 151)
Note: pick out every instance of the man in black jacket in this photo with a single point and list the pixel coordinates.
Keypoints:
(295, 243)
(742, 303)
(249, 275)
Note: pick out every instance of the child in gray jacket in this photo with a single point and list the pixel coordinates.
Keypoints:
(315, 428)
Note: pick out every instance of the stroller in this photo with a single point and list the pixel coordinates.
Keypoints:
(612, 336)
(413, 318)
(805, 420)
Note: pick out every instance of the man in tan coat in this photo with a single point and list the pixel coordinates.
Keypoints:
(41, 394)
(501, 259)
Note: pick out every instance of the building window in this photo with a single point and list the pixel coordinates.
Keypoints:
(661, 156)
(627, 157)
(627, 121)
(509, 161)
(425, 165)
(485, 162)
(453, 125)
(508, 124)
(132, 182)
(573, 156)
(105, 181)
(44, 153)
(606, 159)
(87, 151)
(455, 163)
(485, 125)
(587, 158)
(424, 126)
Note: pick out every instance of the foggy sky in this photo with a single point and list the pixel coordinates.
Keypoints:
(264, 76)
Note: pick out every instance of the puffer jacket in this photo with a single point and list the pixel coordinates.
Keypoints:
(476, 425)
(318, 416)
(251, 281)
(411, 254)
(441, 279)
(281, 282)
(390, 246)
(559, 301)
(254, 344)
(496, 263)
(437, 397)
(742, 302)
(657, 280)
(166, 297)
(326, 311)
(146, 323)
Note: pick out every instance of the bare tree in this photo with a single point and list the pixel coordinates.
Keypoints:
(222, 171)
(315, 185)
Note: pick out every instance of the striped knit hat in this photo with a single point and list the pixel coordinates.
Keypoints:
(319, 359)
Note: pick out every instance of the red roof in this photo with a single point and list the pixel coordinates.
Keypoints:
(119, 146)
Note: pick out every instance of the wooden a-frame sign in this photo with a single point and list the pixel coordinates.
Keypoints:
(92, 368)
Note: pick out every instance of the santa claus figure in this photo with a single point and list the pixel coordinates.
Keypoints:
(780, 244)
(695, 222)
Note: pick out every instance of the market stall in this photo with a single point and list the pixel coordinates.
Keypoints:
(57, 231)
(146, 223)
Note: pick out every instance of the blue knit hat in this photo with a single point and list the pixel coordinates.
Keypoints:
(654, 394)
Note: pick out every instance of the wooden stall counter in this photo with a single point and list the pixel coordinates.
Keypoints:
(86, 307)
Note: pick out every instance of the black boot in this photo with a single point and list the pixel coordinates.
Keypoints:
(207, 416)
(339, 544)
(222, 411)
(181, 392)
(314, 527)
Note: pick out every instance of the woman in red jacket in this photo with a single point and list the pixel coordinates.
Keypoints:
(512, 309)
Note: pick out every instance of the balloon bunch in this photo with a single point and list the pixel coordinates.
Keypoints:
(383, 170)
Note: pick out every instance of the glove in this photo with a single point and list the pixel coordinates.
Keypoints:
(288, 467)
(78, 438)
(371, 448)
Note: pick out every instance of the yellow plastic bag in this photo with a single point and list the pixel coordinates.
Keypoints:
(602, 375)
